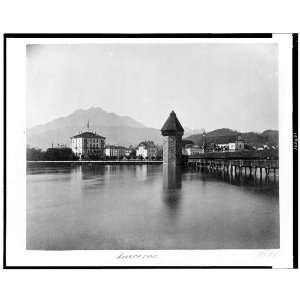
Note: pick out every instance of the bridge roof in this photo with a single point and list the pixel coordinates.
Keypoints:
(244, 154)
(172, 125)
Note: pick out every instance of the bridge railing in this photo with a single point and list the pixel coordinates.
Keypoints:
(248, 163)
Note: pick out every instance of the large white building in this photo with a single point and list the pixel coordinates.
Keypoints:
(87, 145)
(146, 150)
(193, 150)
(238, 145)
(112, 151)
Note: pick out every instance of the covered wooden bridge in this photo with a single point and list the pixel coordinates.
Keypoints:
(242, 162)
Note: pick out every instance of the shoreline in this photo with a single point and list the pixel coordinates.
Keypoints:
(98, 161)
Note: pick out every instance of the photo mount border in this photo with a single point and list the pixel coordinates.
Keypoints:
(158, 35)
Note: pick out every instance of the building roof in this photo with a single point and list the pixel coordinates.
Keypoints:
(172, 125)
(58, 149)
(87, 134)
(147, 144)
(240, 139)
(187, 142)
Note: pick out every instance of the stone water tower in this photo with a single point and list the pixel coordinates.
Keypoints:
(172, 132)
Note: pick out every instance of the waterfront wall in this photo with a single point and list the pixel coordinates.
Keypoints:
(103, 162)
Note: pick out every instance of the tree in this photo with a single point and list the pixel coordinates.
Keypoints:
(51, 154)
(35, 154)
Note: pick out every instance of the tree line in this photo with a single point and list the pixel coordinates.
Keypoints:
(52, 154)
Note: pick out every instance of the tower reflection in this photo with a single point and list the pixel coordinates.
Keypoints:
(172, 177)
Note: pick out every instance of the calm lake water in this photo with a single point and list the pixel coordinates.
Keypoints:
(148, 207)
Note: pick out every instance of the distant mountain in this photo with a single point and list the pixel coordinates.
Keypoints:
(123, 130)
(226, 135)
(96, 117)
(271, 135)
(188, 131)
(120, 130)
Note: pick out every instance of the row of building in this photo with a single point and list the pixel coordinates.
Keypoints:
(144, 150)
(92, 145)
(89, 144)
(190, 149)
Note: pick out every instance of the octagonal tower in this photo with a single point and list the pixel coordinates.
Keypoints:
(172, 132)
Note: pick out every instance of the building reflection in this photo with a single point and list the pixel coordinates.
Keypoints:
(90, 171)
(141, 172)
(172, 178)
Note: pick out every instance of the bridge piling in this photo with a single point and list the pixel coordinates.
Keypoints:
(235, 167)
(260, 173)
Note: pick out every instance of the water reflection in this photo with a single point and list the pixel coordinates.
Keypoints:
(172, 182)
(49, 168)
(90, 171)
(82, 206)
(172, 177)
(245, 181)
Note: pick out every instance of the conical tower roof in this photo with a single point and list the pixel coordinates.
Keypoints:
(172, 125)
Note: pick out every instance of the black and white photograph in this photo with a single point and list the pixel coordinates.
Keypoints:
(134, 148)
(169, 146)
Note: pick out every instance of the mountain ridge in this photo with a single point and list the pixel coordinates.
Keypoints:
(227, 135)
(94, 113)
(125, 131)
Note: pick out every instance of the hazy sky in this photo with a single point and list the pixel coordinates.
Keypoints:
(208, 85)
